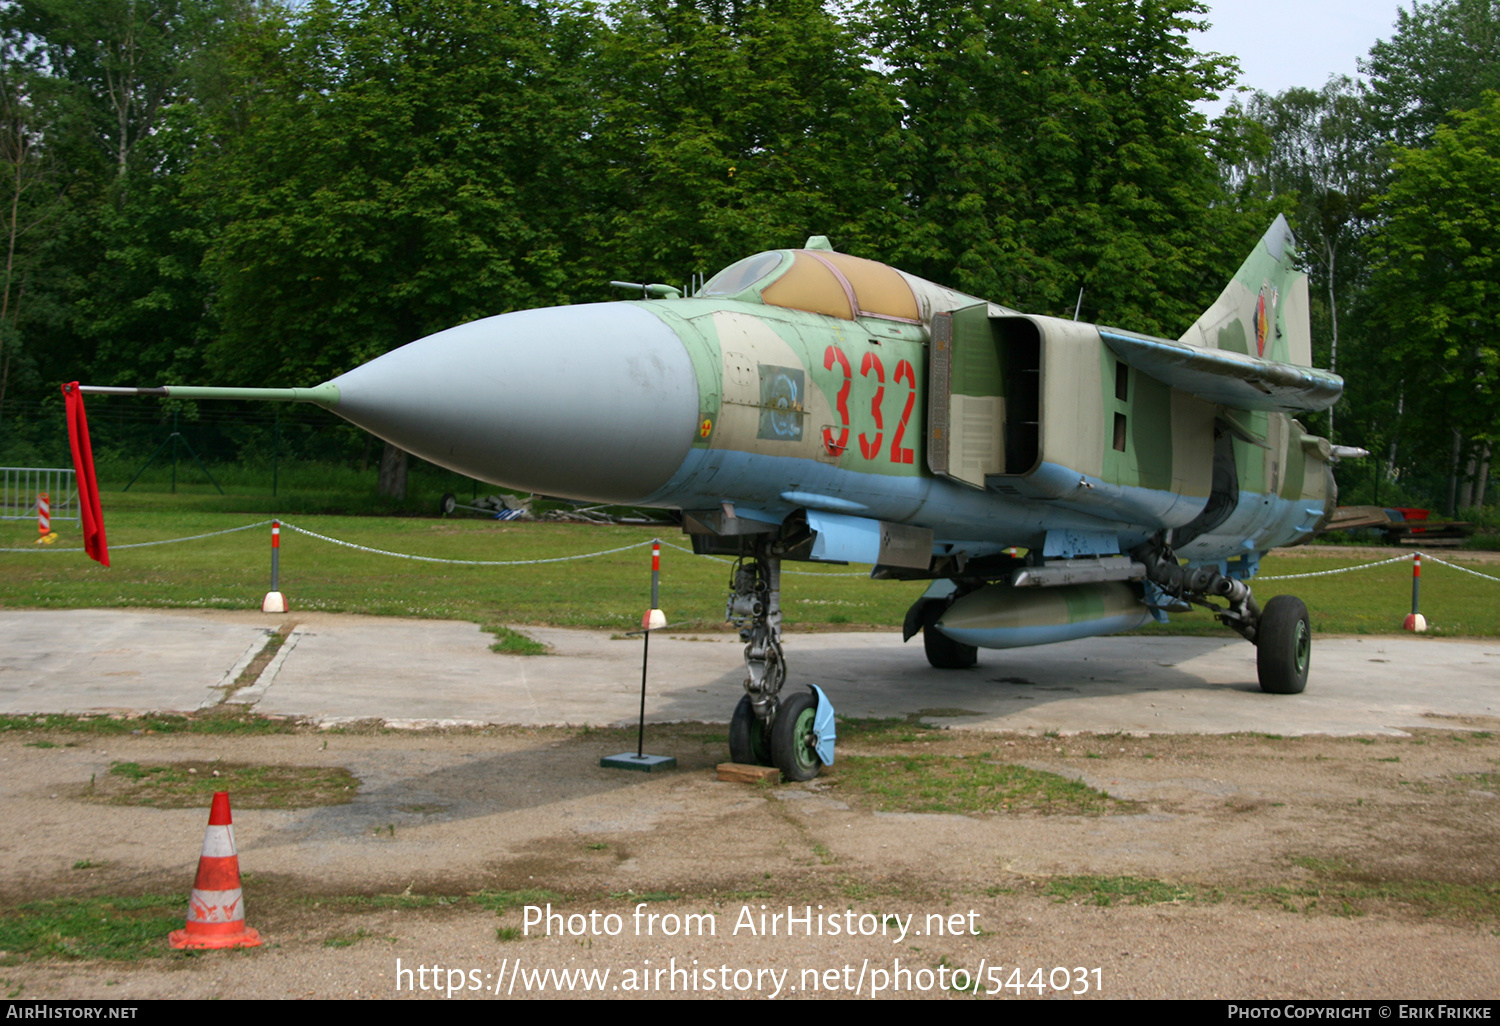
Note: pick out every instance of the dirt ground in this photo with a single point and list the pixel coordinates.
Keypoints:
(1243, 866)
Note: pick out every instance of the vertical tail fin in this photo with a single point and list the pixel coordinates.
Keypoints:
(1263, 310)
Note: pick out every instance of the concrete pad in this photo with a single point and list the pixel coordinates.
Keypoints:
(86, 660)
(337, 668)
(1162, 685)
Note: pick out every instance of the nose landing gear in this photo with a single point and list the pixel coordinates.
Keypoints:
(796, 734)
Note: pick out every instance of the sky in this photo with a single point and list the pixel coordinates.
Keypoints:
(1285, 43)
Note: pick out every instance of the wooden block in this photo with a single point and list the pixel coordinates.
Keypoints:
(739, 773)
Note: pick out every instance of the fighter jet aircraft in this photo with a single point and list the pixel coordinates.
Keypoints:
(1052, 479)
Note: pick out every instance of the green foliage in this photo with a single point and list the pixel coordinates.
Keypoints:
(1049, 146)
(1392, 326)
(392, 170)
(1126, 890)
(113, 928)
(1442, 58)
(501, 902)
(945, 783)
(155, 723)
(191, 785)
(126, 62)
(1435, 287)
(1318, 154)
(512, 642)
(727, 129)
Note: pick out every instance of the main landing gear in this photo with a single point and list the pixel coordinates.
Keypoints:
(1281, 633)
(943, 653)
(1283, 646)
(796, 733)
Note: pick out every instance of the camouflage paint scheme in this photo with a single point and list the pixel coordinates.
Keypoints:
(837, 416)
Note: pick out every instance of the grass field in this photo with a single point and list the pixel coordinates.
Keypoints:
(231, 571)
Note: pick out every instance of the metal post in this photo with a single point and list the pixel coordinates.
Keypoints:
(1416, 621)
(1416, 583)
(275, 602)
(655, 573)
(640, 734)
(653, 620)
(640, 727)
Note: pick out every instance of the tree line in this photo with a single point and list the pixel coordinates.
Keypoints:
(1393, 184)
(248, 192)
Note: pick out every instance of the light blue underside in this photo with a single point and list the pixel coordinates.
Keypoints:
(961, 518)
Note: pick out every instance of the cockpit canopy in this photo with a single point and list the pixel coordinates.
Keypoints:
(818, 281)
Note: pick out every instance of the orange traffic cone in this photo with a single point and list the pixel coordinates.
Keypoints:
(216, 910)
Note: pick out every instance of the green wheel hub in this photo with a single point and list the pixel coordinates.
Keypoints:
(793, 739)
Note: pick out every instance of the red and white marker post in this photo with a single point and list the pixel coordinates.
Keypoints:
(44, 533)
(1415, 621)
(653, 620)
(275, 601)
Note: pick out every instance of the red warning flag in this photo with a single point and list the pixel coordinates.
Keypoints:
(83, 469)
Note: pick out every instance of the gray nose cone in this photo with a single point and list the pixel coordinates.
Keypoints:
(594, 402)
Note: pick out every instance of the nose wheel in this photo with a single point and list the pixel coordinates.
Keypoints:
(749, 740)
(799, 742)
(794, 738)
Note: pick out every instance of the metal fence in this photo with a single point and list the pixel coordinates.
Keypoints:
(19, 487)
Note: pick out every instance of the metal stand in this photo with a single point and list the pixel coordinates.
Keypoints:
(650, 622)
(173, 439)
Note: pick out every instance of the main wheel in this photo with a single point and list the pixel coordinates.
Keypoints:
(749, 740)
(943, 652)
(1283, 646)
(793, 746)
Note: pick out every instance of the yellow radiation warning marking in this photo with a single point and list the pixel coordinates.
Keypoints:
(704, 428)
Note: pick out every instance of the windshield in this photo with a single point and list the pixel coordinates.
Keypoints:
(742, 274)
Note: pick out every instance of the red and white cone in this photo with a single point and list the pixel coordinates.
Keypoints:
(216, 910)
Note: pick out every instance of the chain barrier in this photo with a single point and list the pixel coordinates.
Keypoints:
(1339, 570)
(142, 545)
(1455, 566)
(672, 545)
(1383, 562)
(461, 562)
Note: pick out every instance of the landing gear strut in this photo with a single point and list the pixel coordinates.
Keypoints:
(755, 609)
(1282, 633)
(766, 730)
